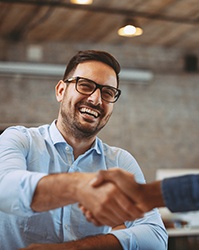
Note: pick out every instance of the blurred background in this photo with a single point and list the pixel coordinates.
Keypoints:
(157, 116)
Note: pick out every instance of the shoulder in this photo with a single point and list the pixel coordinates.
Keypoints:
(115, 151)
(25, 130)
(23, 134)
(118, 157)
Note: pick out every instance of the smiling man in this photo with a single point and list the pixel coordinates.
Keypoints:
(46, 172)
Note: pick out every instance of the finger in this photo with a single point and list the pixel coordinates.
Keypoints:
(97, 181)
(121, 208)
(125, 209)
(89, 216)
(105, 215)
(105, 175)
(115, 207)
(118, 208)
(117, 211)
(82, 208)
(114, 215)
(124, 180)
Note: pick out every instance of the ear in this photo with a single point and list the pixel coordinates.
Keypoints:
(60, 90)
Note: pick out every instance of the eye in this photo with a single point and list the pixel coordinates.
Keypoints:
(85, 85)
(109, 92)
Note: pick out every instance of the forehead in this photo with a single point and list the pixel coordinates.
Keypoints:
(97, 71)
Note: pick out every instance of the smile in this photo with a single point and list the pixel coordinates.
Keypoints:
(89, 112)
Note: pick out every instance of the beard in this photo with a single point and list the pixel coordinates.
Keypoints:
(72, 125)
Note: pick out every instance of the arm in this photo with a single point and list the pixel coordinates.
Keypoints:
(107, 203)
(32, 191)
(181, 194)
(105, 242)
(144, 196)
(148, 232)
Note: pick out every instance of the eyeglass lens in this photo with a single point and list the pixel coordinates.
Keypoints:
(84, 86)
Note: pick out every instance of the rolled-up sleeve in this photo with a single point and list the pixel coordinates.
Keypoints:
(147, 233)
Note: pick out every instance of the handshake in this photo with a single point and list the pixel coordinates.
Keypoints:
(122, 198)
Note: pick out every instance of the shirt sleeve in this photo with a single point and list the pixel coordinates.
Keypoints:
(147, 233)
(16, 182)
(181, 194)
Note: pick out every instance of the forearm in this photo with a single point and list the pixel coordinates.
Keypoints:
(57, 190)
(151, 196)
(107, 203)
(105, 242)
(143, 196)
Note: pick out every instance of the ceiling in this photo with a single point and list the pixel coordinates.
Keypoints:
(168, 23)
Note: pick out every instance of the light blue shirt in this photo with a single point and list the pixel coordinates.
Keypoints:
(28, 154)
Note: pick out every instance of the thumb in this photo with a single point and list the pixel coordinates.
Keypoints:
(100, 178)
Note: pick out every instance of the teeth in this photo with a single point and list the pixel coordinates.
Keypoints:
(89, 111)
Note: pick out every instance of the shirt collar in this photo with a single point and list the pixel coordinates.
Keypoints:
(97, 146)
(57, 137)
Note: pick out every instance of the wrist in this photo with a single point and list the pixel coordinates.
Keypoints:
(153, 195)
(82, 186)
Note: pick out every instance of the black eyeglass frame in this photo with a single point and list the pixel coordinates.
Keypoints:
(97, 86)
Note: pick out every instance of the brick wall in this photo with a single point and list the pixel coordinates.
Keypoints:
(158, 122)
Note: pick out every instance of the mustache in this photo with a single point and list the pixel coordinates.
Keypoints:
(92, 106)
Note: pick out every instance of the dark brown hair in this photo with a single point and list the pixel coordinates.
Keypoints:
(93, 55)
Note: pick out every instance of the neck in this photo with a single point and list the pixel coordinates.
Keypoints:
(79, 144)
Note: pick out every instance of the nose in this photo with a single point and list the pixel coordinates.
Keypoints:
(95, 97)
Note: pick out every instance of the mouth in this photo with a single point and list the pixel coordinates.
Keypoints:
(89, 111)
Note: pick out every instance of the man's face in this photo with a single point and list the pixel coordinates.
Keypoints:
(86, 115)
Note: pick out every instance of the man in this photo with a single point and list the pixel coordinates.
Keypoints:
(178, 194)
(46, 172)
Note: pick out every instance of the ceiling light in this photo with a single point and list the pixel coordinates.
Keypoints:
(130, 29)
(81, 1)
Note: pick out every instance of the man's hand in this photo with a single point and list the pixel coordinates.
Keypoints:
(125, 181)
(120, 200)
(143, 197)
(106, 203)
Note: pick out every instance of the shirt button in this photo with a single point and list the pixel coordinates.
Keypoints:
(67, 148)
(66, 227)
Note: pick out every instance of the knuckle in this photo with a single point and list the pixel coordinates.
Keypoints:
(127, 206)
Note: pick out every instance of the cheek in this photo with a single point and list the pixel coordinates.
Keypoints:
(110, 107)
(71, 101)
(108, 111)
(70, 97)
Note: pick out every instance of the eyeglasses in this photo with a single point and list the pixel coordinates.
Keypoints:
(87, 87)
